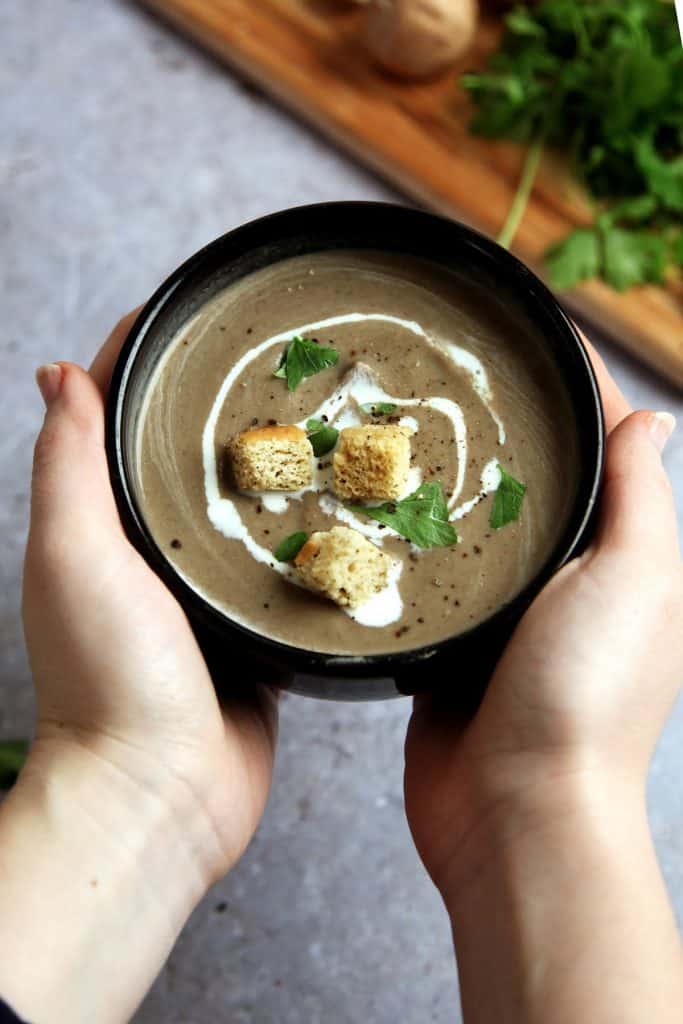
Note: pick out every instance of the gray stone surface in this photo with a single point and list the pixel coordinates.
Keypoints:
(123, 150)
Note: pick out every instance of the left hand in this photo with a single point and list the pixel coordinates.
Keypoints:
(584, 686)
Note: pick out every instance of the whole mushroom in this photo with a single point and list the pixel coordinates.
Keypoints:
(419, 38)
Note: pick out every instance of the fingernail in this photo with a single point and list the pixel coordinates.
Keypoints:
(662, 426)
(49, 380)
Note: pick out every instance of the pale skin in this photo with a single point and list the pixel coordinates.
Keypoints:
(140, 790)
(531, 818)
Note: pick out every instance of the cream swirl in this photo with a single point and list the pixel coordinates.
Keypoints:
(341, 408)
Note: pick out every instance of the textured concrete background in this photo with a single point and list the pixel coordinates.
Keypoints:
(123, 150)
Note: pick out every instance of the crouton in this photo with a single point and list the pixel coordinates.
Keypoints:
(372, 462)
(277, 458)
(343, 565)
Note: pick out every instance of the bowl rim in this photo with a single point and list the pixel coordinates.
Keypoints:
(321, 663)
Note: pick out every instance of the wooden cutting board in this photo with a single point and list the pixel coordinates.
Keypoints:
(306, 54)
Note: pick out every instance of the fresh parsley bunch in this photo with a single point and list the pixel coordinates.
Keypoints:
(603, 80)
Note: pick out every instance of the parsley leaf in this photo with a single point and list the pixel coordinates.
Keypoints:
(422, 517)
(576, 258)
(507, 503)
(622, 256)
(379, 408)
(322, 437)
(634, 210)
(12, 757)
(522, 23)
(289, 548)
(303, 358)
(664, 177)
(633, 257)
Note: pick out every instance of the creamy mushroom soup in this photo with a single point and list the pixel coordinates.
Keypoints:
(417, 346)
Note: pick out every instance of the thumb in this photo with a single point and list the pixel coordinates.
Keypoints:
(70, 488)
(638, 511)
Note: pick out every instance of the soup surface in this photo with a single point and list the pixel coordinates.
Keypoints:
(465, 375)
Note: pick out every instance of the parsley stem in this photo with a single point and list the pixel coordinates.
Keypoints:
(523, 194)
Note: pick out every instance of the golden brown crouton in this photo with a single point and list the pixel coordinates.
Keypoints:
(372, 462)
(277, 458)
(343, 565)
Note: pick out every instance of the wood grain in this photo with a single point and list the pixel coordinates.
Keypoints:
(305, 53)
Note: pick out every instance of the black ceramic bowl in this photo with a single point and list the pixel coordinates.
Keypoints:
(461, 663)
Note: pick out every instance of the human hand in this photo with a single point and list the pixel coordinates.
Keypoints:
(140, 790)
(117, 669)
(582, 690)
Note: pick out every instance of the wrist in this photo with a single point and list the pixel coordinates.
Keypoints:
(503, 825)
(128, 807)
(98, 856)
(556, 902)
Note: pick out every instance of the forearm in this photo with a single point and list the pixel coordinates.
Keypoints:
(561, 916)
(96, 881)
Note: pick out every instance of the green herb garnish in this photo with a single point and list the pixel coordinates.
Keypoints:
(618, 249)
(601, 80)
(289, 548)
(323, 438)
(576, 258)
(303, 358)
(507, 504)
(422, 517)
(12, 758)
(379, 408)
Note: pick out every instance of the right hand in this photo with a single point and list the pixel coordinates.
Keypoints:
(140, 789)
(118, 672)
(584, 687)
